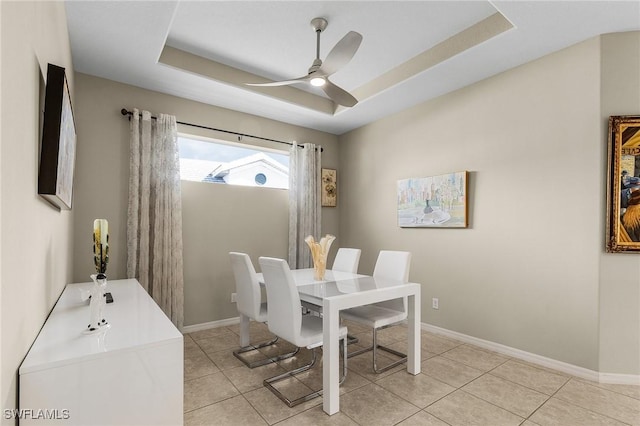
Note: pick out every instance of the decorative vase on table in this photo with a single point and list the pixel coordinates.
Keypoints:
(97, 320)
(319, 252)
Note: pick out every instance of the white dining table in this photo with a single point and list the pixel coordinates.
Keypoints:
(344, 290)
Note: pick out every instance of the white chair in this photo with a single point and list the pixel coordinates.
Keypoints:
(347, 260)
(285, 320)
(249, 303)
(392, 265)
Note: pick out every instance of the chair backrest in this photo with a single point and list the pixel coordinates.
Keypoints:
(393, 265)
(347, 260)
(284, 316)
(248, 297)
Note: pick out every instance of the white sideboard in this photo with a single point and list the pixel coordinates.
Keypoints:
(130, 374)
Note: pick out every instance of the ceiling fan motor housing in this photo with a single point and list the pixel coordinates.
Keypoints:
(319, 24)
(317, 63)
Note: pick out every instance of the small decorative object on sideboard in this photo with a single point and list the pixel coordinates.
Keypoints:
(319, 252)
(98, 296)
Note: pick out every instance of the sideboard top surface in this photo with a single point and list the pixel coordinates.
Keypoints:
(135, 321)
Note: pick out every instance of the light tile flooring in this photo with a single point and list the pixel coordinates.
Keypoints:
(460, 384)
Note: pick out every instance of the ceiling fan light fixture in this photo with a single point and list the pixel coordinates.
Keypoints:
(319, 71)
(318, 81)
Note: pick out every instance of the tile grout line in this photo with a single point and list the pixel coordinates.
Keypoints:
(489, 402)
(226, 377)
(596, 385)
(518, 384)
(585, 408)
(495, 405)
(255, 409)
(523, 385)
(213, 403)
(547, 400)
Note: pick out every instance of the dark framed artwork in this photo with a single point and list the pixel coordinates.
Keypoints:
(58, 149)
(623, 184)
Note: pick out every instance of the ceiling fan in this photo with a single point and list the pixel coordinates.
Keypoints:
(319, 71)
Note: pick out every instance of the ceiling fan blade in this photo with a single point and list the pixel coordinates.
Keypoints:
(341, 53)
(280, 83)
(339, 95)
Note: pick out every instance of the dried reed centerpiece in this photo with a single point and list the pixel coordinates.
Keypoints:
(319, 252)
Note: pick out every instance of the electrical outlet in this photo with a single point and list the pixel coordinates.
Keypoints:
(233, 297)
(434, 303)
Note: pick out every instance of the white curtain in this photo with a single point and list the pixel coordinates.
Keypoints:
(304, 202)
(154, 227)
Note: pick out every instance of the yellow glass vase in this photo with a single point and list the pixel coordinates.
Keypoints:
(319, 252)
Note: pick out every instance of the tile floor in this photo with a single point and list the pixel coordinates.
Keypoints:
(460, 384)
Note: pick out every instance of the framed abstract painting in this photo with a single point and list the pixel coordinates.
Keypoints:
(433, 202)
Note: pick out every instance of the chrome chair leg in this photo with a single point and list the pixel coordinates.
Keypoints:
(403, 357)
(238, 352)
(374, 347)
(344, 342)
(268, 383)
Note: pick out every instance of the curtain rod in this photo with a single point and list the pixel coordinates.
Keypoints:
(124, 111)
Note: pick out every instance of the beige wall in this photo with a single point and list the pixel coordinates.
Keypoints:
(525, 273)
(216, 219)
(35, 238)
(529, 272)
(619, 273)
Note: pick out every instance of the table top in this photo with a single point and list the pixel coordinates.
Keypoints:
(305, 276)
(336, 283)
(316, 292)
(136, 321)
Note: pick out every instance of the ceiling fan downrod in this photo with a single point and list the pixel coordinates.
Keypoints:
(318, 25)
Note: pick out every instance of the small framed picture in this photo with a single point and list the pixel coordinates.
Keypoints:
(329, 188)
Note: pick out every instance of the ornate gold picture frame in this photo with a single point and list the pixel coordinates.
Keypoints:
(623, 185)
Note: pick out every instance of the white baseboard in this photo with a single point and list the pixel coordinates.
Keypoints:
(620, 379)
(212, 324)
(574, 370)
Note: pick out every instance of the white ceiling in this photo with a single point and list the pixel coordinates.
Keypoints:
(412, 51)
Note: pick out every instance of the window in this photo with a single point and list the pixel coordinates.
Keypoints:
(227, 163)
(261, 179)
